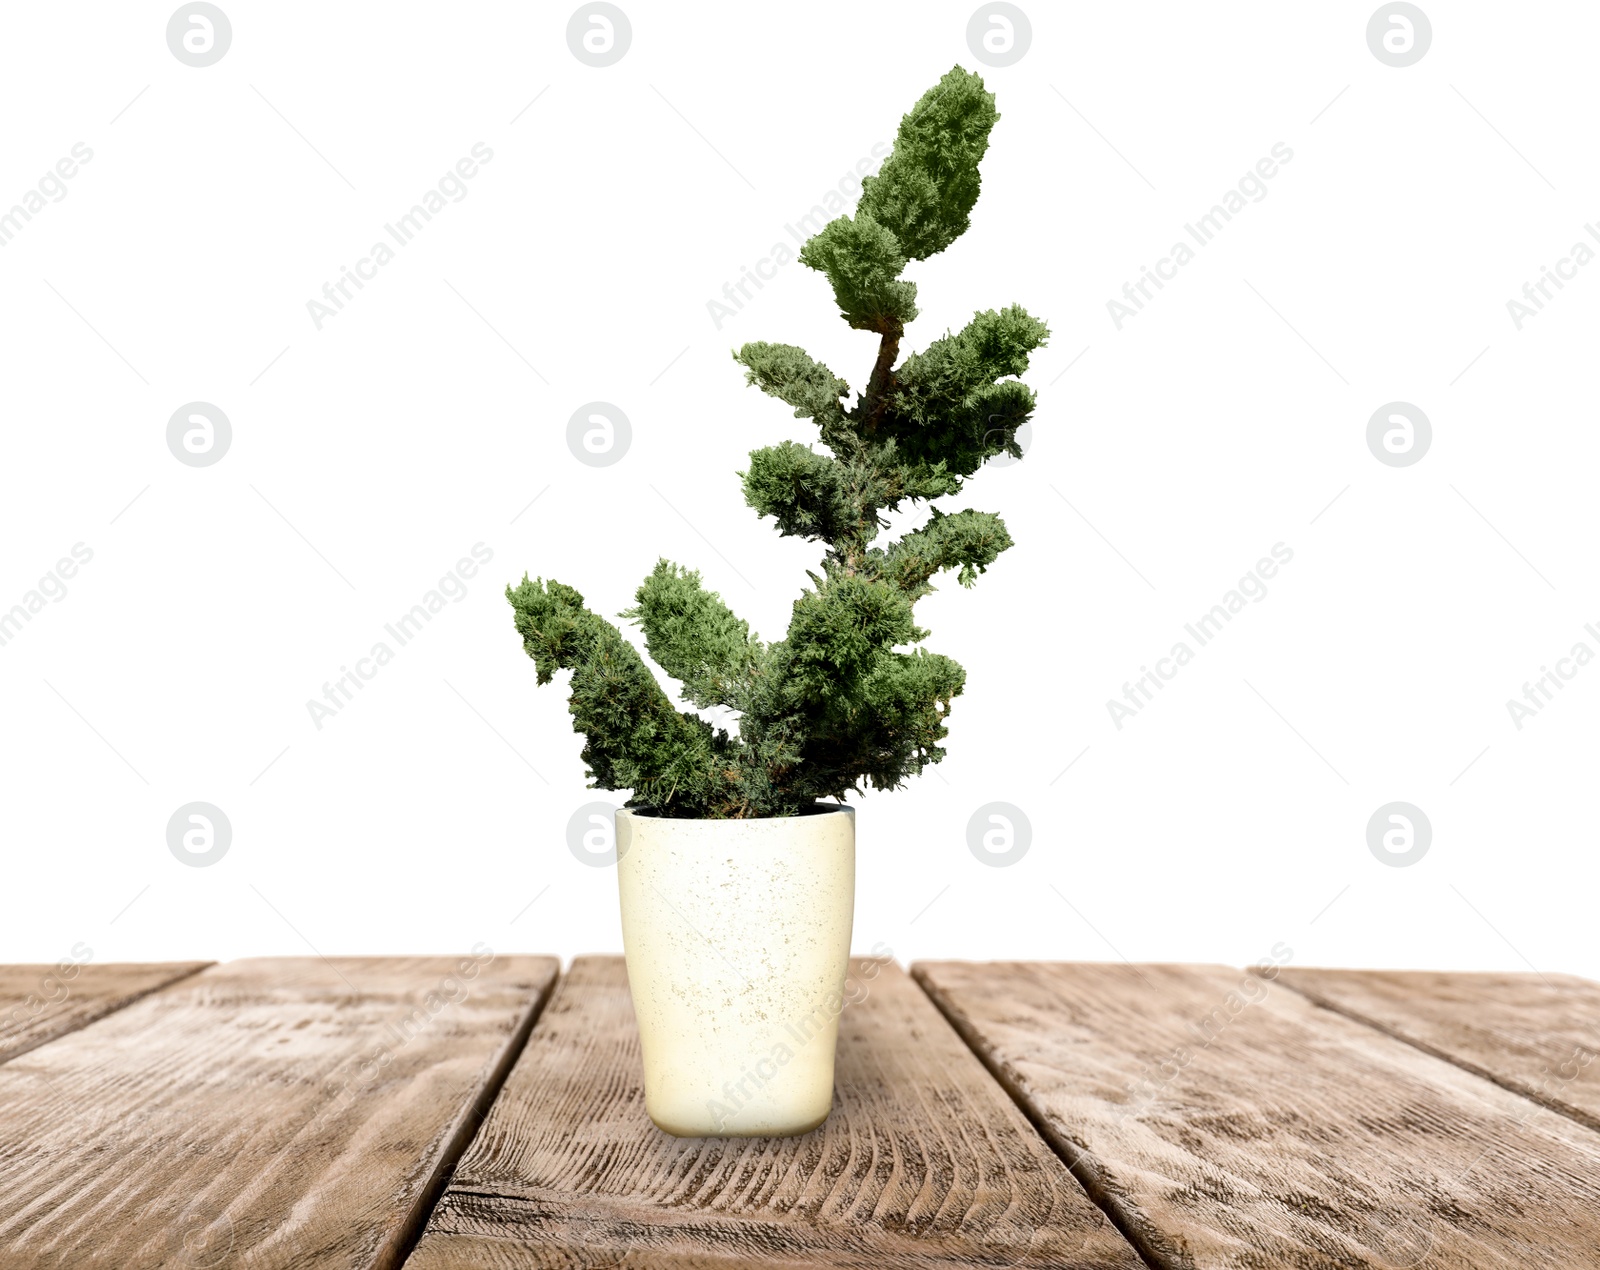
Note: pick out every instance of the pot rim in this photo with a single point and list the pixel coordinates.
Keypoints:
(816, 809)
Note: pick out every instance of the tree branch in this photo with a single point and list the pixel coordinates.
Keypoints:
(880, 385)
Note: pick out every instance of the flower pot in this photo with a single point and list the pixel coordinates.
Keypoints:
(737, 935)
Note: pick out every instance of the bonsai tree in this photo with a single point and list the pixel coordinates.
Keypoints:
(848, 698)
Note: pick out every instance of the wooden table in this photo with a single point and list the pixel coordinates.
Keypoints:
(487, 1112)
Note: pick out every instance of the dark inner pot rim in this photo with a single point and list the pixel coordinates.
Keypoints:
(816, 809)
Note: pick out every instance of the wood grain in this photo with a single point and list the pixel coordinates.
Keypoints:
(1228, 1122)
(274, 1113)
(40, 1003)
(1538, 1035)
(924, 1161)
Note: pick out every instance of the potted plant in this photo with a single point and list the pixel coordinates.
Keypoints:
(735, 853)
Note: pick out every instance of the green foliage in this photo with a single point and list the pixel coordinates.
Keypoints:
(947, 403)
(788, 373)
(637, 740)
(847, 699)
(926, 188)
(696, 639)
(863, 261)
(805, 492)
(970, 539)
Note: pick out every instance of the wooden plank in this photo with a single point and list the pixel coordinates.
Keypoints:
(40, 1003)
(1228, 1122)
(1538, 1035)
(291, 1112)
(923, 1163)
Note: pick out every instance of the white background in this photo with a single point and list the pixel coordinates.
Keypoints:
(368, 456)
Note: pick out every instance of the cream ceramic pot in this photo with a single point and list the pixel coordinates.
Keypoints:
(737, 935)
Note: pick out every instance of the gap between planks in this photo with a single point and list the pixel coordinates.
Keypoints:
(1509, 1083)
(1079, 1162)
(67, 1020)
(465, 1130)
